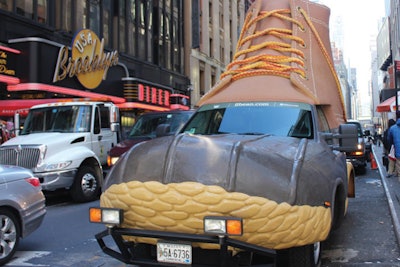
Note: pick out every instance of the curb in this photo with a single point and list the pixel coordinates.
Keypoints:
(389, 197)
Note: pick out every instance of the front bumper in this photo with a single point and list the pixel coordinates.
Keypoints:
(145, 255)
(51, 181)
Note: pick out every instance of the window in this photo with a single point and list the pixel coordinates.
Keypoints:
(323, 122)
(34, 10)
(122, 47)
(64, 11)
(24, 8)
(42, 11)
(142, 30)
(131, 34)
(97, 124)
(6, 5)
(254, 118)
(105, 117)
(94, 16)
(106, 22)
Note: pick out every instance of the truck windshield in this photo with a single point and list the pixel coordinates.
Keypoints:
(147, 124)
(253, 118)
(65, 119)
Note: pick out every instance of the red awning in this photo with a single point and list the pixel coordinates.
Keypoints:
(389, 105)
(64, 90)
(9, 107)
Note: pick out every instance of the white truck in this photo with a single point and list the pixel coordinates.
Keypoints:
(65, 144)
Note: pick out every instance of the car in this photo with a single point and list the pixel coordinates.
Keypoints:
(258, 176)
(149, 126)
(22, 208)
(359, 158)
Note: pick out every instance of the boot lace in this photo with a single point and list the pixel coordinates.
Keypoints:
(268, 64)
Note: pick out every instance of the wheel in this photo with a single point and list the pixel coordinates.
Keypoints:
(86, 186)
(10, 233)
(305, 256)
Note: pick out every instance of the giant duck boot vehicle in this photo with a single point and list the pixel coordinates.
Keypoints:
(258, 175)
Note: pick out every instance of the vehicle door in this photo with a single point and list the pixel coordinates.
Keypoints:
(103, 137)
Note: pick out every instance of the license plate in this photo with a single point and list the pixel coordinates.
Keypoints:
(174, 253)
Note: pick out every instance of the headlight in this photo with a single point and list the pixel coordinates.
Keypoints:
(57, 166)
(223, 225)
(106, 216)
(111, 160)
(359, 146)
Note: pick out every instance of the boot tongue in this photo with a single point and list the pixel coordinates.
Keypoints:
(257, 13)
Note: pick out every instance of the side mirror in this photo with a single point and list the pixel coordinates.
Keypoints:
(163, 130)
(348, 137)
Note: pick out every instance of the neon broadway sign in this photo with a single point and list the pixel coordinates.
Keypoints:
(88, 61)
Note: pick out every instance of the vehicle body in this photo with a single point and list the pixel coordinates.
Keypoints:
(65, 144)
(258, 175)
(145, 128)
(22, 208)
(359, 157)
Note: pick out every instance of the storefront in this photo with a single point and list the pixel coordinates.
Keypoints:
(36, 70)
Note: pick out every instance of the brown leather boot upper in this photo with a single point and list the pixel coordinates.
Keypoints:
(283, 54)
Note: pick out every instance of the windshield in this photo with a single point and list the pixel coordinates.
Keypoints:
(66, 119)
(146, 124)
(274, 118)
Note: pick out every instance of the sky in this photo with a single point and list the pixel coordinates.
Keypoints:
(361, 21)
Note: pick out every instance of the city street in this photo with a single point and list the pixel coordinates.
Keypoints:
(367, 235)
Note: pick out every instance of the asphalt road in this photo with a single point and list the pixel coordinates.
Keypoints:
(368, 236)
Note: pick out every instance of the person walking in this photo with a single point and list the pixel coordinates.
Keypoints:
(386, 146)
(394, 139)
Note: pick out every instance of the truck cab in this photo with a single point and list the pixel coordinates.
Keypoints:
(65, 144)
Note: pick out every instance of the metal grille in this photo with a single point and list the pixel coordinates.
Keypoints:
(24, 156)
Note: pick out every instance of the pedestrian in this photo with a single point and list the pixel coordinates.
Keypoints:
(386, 146)
(394, 139)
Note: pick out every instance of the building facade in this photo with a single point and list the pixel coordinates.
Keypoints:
(212, 34)
(130, 52)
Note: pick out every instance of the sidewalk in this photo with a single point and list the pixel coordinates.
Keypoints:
(392, 190)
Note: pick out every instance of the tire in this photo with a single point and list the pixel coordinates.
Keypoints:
(86, 186)
(304, 256)
(10, 232)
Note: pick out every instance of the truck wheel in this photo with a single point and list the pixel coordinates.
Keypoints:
(306, 256)
(86, 186)
(9, 235)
